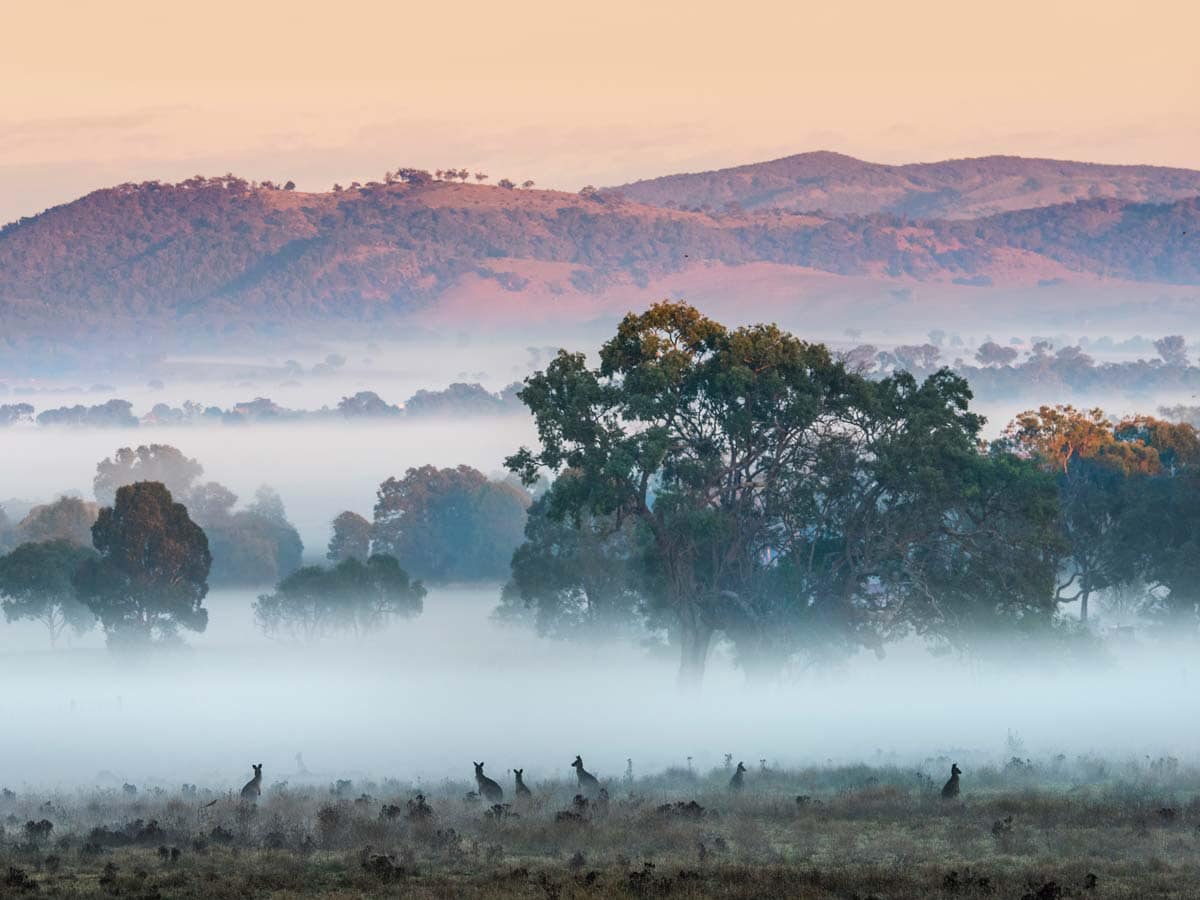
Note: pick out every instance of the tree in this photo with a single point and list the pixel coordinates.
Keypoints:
(150, 576)
(449, 524)
(268, 507)
(506, 184)
(1095, 475)
(412, 176)
(353, 596)
(878, 481)
(66, 519)
(253, 546)
(1172, 349)
(784, 500)
(578, 583)
(210, 503)
(1061, 434)
(527, 184)
(993, 354)
(156, 462)
(684, 428)
(366, 405)
(14, 413)
(989, 577)
(9, 537)
(481, 177)
(917, 357)
(351, 538)
(35, 582)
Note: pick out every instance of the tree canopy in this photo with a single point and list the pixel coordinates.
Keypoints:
(36, 584)
(154, 462)
(786, 502)
(355, 595)
(449, 524)
(150, 575)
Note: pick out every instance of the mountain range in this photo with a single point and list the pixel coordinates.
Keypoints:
(216, 254)
(954, 189)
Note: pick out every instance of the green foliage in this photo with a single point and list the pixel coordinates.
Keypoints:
(352, 596)
(150, 576)
(36, 584)
(578, 583)
(787, 502)
(449, 524)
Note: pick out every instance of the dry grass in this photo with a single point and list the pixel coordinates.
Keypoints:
(1053, 830)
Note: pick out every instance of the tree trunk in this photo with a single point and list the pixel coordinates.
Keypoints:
(693, 653)
(1083, 607)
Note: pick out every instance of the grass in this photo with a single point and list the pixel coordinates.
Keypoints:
(1054, 829)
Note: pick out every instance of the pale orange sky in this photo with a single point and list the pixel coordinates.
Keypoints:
(92, 94)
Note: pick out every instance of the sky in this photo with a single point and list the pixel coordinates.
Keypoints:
(568, 94)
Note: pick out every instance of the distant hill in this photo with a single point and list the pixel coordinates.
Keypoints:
(954, 189)
(220, 254)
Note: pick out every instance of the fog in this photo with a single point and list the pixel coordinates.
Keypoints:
(424, 698)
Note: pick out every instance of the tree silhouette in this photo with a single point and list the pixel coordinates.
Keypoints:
(353, 596)
(155, 462)
(66, 519)
(36, 584)
(351, 538)
(449, 524)
(151, 574)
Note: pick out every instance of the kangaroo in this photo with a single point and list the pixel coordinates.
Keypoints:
(950, 791)
(587, 781)
(522, 789)
(737, 782)
(253, 789)
(491, 791)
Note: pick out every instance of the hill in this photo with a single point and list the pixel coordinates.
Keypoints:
(955, 189)
(218, 254)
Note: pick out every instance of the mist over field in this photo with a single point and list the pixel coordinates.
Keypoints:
(421, 699)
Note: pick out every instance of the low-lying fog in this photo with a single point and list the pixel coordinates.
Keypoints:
(423, 699)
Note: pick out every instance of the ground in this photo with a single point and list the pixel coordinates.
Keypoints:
(1039, 830)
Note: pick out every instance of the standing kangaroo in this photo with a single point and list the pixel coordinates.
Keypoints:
(737, 782)
(253, 789)
(522, 789)
(588, 783)
(950, 791)
(491, 791)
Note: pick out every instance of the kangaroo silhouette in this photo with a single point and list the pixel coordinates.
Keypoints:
(488, 788)
(737, 782)
(522, 789)
(253, 789)
(587, 781)
(950, 791)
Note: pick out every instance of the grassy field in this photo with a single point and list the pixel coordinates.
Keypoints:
(1041, 830)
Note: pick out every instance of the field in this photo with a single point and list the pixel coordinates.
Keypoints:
(1044, 829)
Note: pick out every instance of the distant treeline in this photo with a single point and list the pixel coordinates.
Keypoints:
(1038, 367)
(141, 559)
(457, 400)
